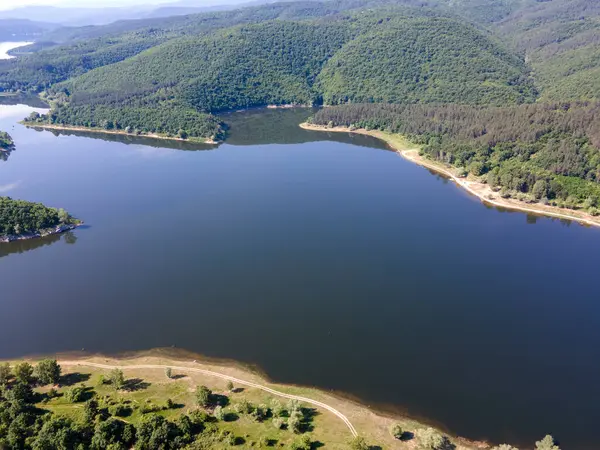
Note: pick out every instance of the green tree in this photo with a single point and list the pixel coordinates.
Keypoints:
(23, 372)
(219, 413)
(168, 372)
(117, 379)
(546, 444)
(203, 396)
(229, 386)
(75, 394)
(90, 410)
(431, 439)
(5, 373)
(47, 371)
(505, 447)
(358, 443)
(540, 189)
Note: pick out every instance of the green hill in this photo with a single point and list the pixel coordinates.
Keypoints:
(424, 60)
(560, 41)
(398, 55)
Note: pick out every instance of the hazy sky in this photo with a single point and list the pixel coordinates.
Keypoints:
(10, 4)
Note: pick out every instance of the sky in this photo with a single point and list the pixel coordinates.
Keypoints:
(10, 4)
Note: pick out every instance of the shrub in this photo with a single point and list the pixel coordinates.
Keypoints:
(302, 443)
(397, 431)
(75, 394)
(168, 372)
(358, 443)
(120, 410)
(432, 440)
(116, 378)
(219, 413)
(546, 444)
(278, 423)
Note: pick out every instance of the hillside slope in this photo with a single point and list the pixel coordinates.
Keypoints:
(561, 41)
(327, 60)
(424, 60)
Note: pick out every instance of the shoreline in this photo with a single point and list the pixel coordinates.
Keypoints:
(45, 126)
(357, 418)
(59, 229)
(476, 188)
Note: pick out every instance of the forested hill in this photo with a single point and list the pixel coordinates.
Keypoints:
(386, 54)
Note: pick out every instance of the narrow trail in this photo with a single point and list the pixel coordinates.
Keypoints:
(224, 377)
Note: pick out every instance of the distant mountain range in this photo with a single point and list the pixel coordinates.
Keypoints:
(49, 16)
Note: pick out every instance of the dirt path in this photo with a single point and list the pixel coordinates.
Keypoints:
(222, 376)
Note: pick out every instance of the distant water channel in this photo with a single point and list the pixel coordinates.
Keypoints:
(325, 259)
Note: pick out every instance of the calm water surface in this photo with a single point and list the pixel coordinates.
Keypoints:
(324, 259)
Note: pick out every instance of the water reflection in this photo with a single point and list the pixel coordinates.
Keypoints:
(22, 99)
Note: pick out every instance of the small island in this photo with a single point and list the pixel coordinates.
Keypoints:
(21, 220)
(6, 142)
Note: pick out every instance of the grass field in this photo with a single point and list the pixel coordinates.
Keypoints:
(150, 389)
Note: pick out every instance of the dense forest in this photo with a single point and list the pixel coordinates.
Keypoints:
(539, 152)
(19, 216)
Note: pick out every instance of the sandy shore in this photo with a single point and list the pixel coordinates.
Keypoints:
(121, 132)
(477, 188)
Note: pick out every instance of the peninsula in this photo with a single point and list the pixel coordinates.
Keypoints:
(155, 400)
(21, 220)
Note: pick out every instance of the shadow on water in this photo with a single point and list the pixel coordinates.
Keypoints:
(260, 126)
(10, 248)
(23, 99)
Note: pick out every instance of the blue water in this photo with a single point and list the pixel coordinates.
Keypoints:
(324, 259)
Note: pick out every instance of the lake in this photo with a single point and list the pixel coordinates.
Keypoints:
(5, 47)
(324, 259)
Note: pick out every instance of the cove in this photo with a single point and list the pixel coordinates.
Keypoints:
(324, 259)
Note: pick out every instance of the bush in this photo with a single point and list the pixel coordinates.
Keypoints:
(432, 440)
(546, 444)
(358, 443)
(397, 431)
(219, 413)
(116, 378)
(278, 423)
(120, 410)
(75, 394)
(302, 443)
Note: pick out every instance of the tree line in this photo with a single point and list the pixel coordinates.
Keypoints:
(541, 152)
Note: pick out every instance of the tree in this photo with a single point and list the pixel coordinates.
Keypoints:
(546, 444)
(358, 443)
(302, 443)
(505, 447)
(117, 378)
(540, 189)
(47, 371)
(75, 394)
(90, 410)
(431, 439)
(5, 373)
(203, 396)
(397, 431)
(219, 413)
(278, 423)
(23, 372)
(276, 408)
(230, 386)
(294, 423)
(168, 372)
